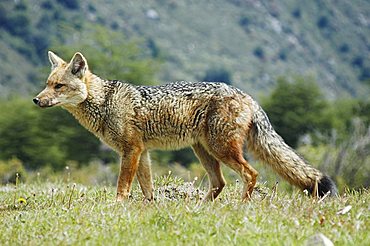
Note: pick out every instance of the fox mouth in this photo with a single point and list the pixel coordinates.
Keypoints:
(48, 105)
(42, 104)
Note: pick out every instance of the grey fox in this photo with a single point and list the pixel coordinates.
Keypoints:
(215, 119)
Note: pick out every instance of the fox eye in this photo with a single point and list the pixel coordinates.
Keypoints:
(58, 86)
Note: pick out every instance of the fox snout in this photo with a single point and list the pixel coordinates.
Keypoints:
(42, 103)
(42, 100)
(36, 100)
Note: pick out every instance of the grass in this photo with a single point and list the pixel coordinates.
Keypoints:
(42, 213)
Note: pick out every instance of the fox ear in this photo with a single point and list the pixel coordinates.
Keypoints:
(54, 60)
(78, 65)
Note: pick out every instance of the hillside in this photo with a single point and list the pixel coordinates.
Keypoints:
(253, 41)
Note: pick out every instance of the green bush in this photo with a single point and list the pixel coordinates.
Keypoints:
(347, 162)
(297, 13)
(70, 4)
(323, 22)
(217, 75)
(43, 137)
(296, 108)
(12, 171)
(259, 53)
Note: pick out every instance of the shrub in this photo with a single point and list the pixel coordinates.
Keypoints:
(17, 24)
(358, 61)
(296, 108)
(349, 163)
(244, 22)
(47, 5)
(259, 53)
(70, 4)
(365, 74)
(344, 48)
(217, 75)
(10, 169)
(283, 54)
(323, 22)
(154, 49)
(296, 13)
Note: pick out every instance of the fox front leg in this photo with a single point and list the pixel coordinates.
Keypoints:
(129, 165)
(144, 176)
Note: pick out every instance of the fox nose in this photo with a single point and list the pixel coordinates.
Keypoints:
(36, 100)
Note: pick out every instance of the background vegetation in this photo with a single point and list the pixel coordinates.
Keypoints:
(334, 136)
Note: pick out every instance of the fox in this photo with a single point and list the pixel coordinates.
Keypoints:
(218, 121)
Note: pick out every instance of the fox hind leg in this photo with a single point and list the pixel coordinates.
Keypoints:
(231, 154)
(213, 168)
(246, 172)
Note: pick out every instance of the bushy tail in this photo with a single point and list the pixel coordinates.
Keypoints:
(270, 148)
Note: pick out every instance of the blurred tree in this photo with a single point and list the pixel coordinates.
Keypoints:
(44, 137)
(74, 140)
(296, 109)
(10, 169)
(153, 47)
(16, 23)
(365, 75)
(70, 4)
(342, 113)
(323, 22)
(283, 54)
(22, 138)
(344, 48)
(217, 75)
(259, 53)
(297, 13)
(362, 110)
(245, 23)
(183, 156)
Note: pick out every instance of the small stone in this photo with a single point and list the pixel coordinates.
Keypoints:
(345, 210)
(318, 239)
(152, 14)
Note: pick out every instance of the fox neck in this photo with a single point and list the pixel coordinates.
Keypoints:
(90, 113)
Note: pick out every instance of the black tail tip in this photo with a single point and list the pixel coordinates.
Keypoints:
(325, 185)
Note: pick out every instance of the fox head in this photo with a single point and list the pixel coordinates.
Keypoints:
(66, 84)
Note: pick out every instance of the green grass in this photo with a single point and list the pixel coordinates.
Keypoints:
(73, 214)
